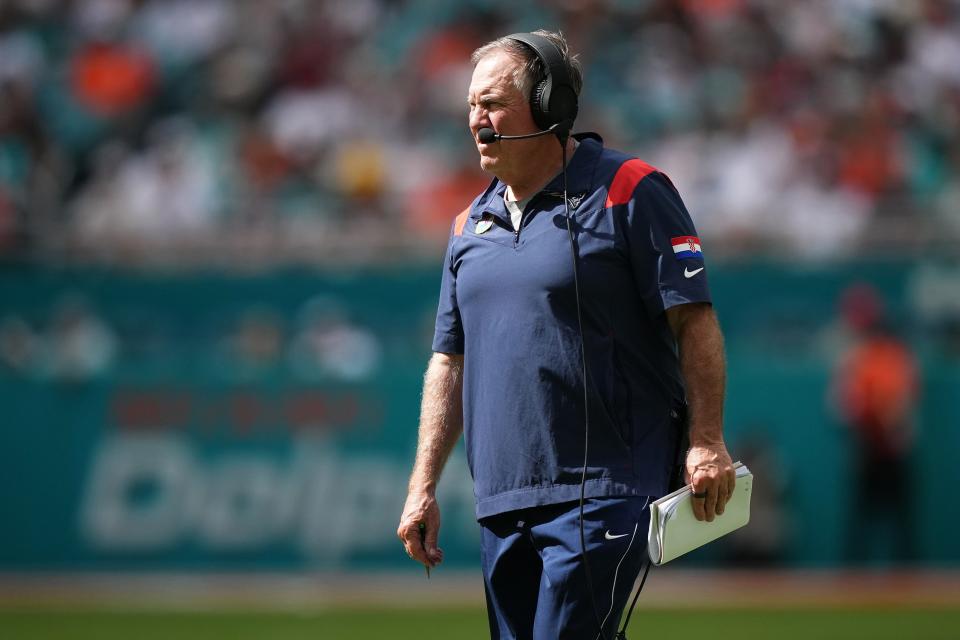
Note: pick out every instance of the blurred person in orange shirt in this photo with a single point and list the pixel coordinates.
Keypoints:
(876, 388)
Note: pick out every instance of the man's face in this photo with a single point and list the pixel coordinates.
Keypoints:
(496, 103)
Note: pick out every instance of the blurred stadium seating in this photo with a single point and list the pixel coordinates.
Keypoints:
(277, 132)
(220, 228)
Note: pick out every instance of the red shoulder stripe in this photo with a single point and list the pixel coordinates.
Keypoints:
(461, 221)
(628, 177)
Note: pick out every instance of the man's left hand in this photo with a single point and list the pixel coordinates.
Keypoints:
(710, 471)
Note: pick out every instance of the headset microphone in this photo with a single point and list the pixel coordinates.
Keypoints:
(560, 129)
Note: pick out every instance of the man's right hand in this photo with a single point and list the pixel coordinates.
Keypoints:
(421, 507)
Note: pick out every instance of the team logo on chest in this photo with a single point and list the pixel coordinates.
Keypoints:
(484, 225)
(574, 200)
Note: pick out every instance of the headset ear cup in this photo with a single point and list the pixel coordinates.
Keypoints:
(551, 105)
(563, 104)
(539, 106)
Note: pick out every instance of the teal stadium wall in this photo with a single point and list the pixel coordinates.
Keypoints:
(177, 458)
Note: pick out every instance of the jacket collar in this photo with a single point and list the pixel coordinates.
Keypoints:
(580, 174)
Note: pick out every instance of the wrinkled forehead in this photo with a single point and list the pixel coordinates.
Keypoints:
(494, 73)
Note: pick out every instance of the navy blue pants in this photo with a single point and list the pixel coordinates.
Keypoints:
(533, 570)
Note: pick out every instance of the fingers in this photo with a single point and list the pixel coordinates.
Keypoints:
(710, 503)
(421, 545)
(433, 552)
(697, 503)
(711, 475)
(709, 494)
(730, 482)
(409, 534)
(420, 527)
(722, 494)
(704, 500)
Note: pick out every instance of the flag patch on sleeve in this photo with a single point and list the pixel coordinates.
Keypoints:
(686, 247)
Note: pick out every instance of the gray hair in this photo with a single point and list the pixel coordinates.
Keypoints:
(531, 69)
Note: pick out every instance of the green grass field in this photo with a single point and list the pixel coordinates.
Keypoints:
(470, 624)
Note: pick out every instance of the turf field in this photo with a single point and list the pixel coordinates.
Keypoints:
(470, 624)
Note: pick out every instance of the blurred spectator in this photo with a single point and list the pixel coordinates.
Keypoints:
(255, 347)
(182, 32)
(111, 79)
(78, 344)
(327, 345)
(168, 191)
(876, 388)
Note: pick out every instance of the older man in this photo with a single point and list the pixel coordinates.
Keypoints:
(516, 329)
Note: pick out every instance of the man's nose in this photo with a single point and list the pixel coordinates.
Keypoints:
(479, 118)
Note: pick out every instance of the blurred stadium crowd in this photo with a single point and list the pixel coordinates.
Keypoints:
(292, 131)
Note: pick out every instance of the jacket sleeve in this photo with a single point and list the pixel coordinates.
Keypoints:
(665, 252)
(448, 330)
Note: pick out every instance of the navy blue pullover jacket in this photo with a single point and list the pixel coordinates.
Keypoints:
(507, 303)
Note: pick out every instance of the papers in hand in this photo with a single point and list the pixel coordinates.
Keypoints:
(674, 530)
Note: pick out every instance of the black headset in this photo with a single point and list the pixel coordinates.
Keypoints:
(553, 100)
